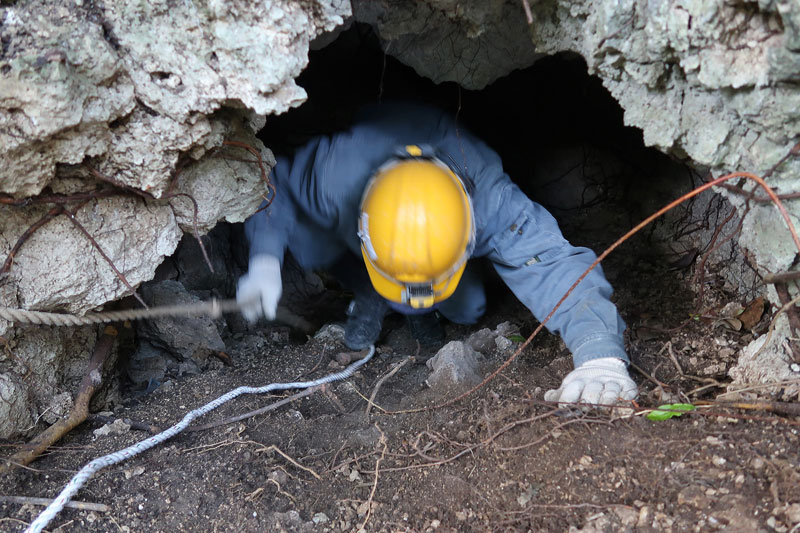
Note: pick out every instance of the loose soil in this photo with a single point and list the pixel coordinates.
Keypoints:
(498, 460)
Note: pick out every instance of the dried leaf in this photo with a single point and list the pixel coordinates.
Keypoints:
(730, 323)
(733, 323)
(752, 313)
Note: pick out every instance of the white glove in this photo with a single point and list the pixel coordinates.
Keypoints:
(260, 289)
(602, 381)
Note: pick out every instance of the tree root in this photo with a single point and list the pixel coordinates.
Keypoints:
(80, 410)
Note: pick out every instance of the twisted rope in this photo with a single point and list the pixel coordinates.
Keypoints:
(87, 471)
(214, 308)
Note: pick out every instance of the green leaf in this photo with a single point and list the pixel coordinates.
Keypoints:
(516, 338)
(674, 409)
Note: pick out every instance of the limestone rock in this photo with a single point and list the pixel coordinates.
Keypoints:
(455, 366)
(767, 360)
(136, 82)
(144, 94)
(187, 338)
(15, 410)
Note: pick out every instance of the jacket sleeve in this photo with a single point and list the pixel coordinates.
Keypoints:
(539, 265)
(268, 231)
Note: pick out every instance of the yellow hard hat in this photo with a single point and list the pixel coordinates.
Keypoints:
(417, 230)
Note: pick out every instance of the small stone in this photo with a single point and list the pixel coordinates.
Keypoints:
(455, 366)
(330, 332)
(481, 341)
(278, 476)
(645, 517)
(792, 513)
(503, 344)
(320, 518)
(629, 517)
(506, 328)
(693, 495)
(60, 405)
(362, 509)
(137, 471)
(117, 427)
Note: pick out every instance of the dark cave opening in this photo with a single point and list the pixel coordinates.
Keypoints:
(560, 134)
(562, 139)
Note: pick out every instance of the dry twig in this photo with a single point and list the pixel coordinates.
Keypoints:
(271, 407)
(71, 217)
(295, 463)
(83, 506)
(80, 410)
(378, 461)
(380, 382)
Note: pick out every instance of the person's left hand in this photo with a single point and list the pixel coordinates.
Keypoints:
(602, 382)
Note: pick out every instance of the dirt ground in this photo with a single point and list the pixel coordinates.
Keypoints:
(499, 460)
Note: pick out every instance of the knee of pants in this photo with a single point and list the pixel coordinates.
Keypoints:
(466, 305)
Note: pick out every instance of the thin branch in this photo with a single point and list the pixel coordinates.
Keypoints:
(83, 506)
(50, 215)
(148, 196)
(528, 14)
(195, 229)
(375, 483)
(118, 184)
(271, 407)
(262, 167)
(380, 382)
(119, 274)
(295, 463)
(92, 380)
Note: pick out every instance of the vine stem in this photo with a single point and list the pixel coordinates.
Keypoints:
(606, 252)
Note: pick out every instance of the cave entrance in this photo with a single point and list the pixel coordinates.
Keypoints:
(561, 137)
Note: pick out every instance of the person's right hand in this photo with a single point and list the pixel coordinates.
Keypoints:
(260, 289)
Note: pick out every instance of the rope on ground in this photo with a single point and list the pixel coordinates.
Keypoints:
(113, 458)
(214, 308)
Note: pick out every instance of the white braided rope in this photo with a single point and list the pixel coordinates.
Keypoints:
(113, 458)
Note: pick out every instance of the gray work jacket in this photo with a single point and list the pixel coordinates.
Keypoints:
(316, 207)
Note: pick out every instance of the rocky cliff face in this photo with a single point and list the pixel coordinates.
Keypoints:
(139, 96)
